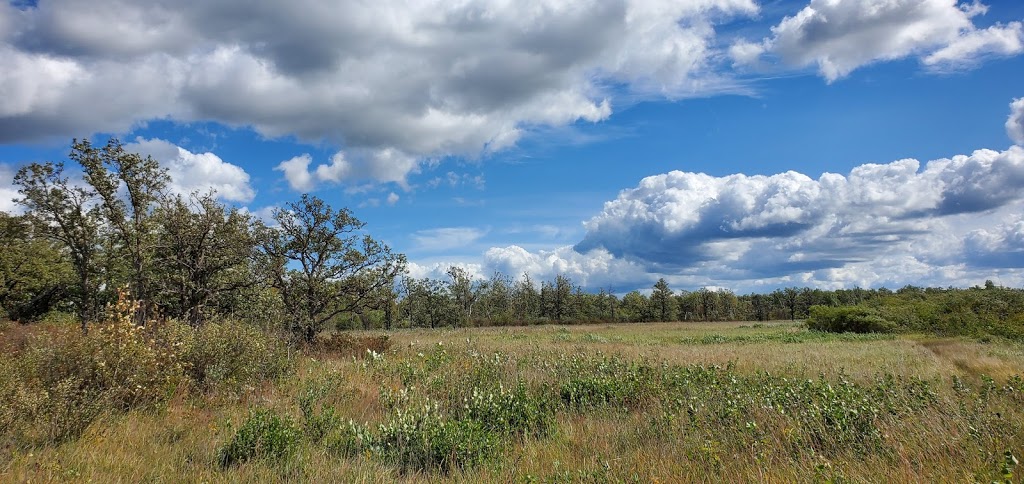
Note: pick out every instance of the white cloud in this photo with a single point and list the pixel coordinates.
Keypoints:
(446, 238)
(263, 214)
(969, 47)
(296, 171)
(839, 36)
(596, 268)
(439, 270)
(669, 220)
(196, 172)
(1015, 122)
(391, 83)
(8, 192)
(999, 246)
(455, 180)
(746, 53)
(392, 198)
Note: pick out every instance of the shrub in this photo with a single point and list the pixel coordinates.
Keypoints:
(318, 418)
(511, 412)
(62, 379)
(848, 319)
(422, 438)
(344, 344)
(124, 364)
(232, 353)
(263, 435)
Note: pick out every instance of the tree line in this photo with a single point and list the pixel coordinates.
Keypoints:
(188, 257)
(192, 258)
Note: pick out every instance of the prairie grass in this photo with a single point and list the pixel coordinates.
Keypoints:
(658, 402)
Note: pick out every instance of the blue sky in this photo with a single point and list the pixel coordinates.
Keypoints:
(728, 143)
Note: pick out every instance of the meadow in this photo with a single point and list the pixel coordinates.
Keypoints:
(647, 402)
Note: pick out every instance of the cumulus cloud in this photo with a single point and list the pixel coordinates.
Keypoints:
(392, 198)
(202, 172)
(1001, 246)
(839, 36)
(789, 221)
(1015, 123)
(949, 222)
(439, 270)
(597, 268)
(390, 83)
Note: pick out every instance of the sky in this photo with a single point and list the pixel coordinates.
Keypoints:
(740, 144)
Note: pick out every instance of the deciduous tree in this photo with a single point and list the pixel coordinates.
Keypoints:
(323, 264)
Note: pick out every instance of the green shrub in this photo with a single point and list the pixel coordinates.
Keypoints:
(511, 412)
(233, 353)
(422, 438)
(318, 419)
(263, 435)
(848, 319)
(61, 380)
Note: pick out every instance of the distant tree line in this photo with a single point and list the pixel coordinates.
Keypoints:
(192, 258)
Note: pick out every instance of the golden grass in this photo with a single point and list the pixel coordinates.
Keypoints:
(179, 443)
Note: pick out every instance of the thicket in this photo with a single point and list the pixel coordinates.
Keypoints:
(57, 382)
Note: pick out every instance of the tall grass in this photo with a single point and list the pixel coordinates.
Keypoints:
(523, 406)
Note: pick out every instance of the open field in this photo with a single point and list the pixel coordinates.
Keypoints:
(655, 402)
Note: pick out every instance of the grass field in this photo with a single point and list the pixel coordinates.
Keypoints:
(657, 402)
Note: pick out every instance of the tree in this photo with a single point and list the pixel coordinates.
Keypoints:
(526, 302)
(34, 272)
(203, 250)
(68, 214)
(727, 304)
(323, 264)
(129, 188)
(760, 306)
(635, 307)
(707, 302)
(427, 302)
(561, 297)
(788, 298)
(496, 300)
(663, 301)
(465, 290)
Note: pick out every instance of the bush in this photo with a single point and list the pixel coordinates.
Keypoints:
(232, 353)
(511, 411)
(848, 319)
(422, 438)
(61, 380)
(58, 380)
(263, 435)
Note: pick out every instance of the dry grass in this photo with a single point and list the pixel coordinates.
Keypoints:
(179, 441)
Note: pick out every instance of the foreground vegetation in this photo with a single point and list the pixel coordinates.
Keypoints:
(608, 403)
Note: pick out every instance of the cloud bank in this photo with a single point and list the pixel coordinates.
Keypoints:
(951, 221)
(392, 83)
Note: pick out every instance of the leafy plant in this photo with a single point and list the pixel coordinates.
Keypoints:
(265, 434)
